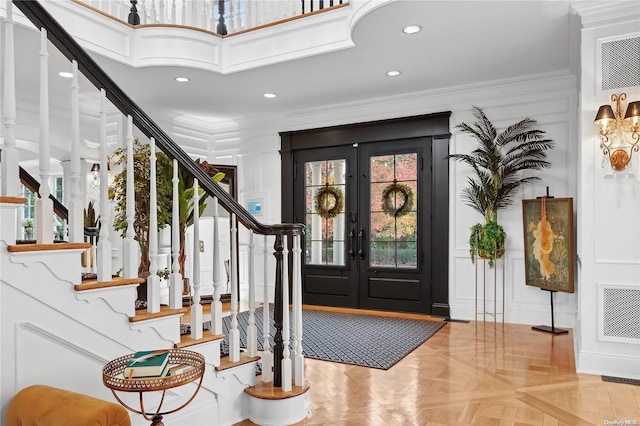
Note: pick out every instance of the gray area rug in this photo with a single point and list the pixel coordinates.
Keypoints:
(364, 340)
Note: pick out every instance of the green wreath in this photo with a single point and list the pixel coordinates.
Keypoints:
(388, 197)
(326, 208)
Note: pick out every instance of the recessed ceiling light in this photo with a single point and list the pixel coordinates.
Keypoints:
(269, 95)
(393, 73)
(65, 74)
(412, 29)
(182, 79)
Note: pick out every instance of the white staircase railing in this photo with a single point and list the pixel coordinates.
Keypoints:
(238, 15)
(288, 366)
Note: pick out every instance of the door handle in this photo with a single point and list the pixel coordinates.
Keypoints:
(352, 234)
(361, 243)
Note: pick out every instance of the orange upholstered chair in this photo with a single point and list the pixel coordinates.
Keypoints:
(47, 406)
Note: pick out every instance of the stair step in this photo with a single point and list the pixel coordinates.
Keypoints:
(225, 364)
(165, 311)
(115, 282)
(266, 390)
(13, 200)
(186, 340)
(23, 248)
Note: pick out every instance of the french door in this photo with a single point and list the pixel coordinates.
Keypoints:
(367, 209)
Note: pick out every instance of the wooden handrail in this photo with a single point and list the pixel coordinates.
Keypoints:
(34, 186)
(67, 45)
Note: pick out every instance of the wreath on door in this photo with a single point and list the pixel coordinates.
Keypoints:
(329, 201)
(397, 190)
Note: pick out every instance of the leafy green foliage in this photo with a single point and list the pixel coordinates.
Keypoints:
(487, 241)
(142, 174)
(164, 186)
(498, 161)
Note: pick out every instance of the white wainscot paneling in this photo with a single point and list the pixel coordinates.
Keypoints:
(616, 204)
(43, 357)
(532, 305)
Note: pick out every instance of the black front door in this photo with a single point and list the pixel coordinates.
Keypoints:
(367, 209)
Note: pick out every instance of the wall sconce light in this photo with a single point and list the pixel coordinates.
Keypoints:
(95, 168)
(620, 134)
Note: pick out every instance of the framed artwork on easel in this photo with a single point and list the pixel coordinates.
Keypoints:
(548, 243)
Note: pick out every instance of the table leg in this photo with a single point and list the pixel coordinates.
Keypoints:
(157, 421)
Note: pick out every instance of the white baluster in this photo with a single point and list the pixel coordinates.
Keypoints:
(183, 15)
(162, 18)
(142, 11)
(152, 13)
(175, 279)
(216, 304)
(298, 361)
(196, 307)
(44, 206)
(103, 261)
(173, 12)
(76, 215)
(252, 331)
(286, 360)
(267, 356)
(234, 334)
(10, 175)
(130, 245)
(153, 280)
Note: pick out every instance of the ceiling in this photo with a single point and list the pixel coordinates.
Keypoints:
(462, 43)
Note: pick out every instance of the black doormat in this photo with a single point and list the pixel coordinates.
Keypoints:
(364, 340)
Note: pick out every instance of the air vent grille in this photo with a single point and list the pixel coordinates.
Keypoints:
(621, 63)
(621, 313)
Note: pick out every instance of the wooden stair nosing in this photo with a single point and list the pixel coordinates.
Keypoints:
(22, 248)
(266, 390)
(225, 364)
(143, 315)
(12, 200)
(115, 282)
(186, 340)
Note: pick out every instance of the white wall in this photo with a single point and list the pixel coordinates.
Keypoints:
(550, 99)
(608, 226)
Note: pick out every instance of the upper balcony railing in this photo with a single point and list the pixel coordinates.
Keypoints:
(223, 17)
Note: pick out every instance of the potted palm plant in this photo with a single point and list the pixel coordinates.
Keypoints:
(497, 163)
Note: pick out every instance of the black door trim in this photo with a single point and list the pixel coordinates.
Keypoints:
(430, 125)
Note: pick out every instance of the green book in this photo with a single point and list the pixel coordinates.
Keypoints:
(147, 364)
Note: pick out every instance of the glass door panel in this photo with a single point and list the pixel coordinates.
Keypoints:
(393, 215)
(325, 191)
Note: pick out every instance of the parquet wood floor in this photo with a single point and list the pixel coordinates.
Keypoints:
(471, 374)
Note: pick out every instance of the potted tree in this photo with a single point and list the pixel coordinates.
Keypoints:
(142, 165)
(497, 163)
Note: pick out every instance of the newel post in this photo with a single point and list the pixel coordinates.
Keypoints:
(278, 345)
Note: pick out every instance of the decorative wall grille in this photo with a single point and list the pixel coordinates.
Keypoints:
(621, 313)
(621, 63)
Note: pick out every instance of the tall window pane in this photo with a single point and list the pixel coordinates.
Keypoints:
(325, 212)
(393, 211)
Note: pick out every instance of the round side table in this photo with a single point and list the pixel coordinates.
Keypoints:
(113, 378)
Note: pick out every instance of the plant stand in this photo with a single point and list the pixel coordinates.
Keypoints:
(484, 312)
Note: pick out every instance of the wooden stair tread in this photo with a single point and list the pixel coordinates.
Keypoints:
(266, 390)
(13, 200)
(186, 340)
(165, 311)
(115, 282)
(225, 364)
(20, 248)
